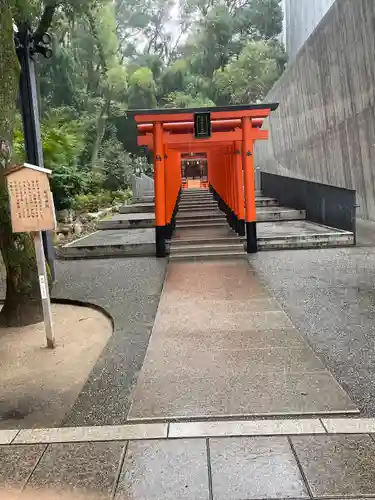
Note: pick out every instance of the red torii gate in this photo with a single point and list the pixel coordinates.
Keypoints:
(229, 149)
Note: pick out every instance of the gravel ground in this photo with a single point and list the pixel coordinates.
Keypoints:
(330, 296)
(129, 289)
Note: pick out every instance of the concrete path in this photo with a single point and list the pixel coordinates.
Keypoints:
(333, 458)
(222, 346)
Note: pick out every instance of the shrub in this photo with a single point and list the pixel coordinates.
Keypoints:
(90, 202)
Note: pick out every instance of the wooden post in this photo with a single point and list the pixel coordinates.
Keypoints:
(44, 290)
(249, 176)
(159, 182)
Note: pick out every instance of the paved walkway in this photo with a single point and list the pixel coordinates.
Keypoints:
(221, 346)
(332, 458)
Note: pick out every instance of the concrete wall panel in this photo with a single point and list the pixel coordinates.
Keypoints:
(301, 17)
(324, 129)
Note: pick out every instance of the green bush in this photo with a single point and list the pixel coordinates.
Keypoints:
(84, 203)
(121, 196)
(63, 142)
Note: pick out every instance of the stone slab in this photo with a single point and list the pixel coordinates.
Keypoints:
(121, 237)
(199, 232)
(248, 364)
(223, 340)
(89, 468)
(7, 436)
(216, 321)
(128, 221)
(99, 433)
(137, 208)
(111, 243)
(181, 379)
(144, 199)
(176, 396)
(246, 428)
(337, 466)
(16, 465)
(252, 468)
(349, 425)
(299, 227)
(168, 470)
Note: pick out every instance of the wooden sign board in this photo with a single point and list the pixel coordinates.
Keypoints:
(31, 202)
(202, 125)
(32, 211)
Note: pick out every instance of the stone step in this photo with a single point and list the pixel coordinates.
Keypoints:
(204, 208)
(207, 247)
(264, 201)
(260, 202)
(199, 240)
(280, 214)
(144, 199)
(103, 244)
(197, 205)
(137, 208)
(218, 255)
(202, 223)
(290, 242)
(192, 217)
(196, 200)
(128, 221)
(196, 195)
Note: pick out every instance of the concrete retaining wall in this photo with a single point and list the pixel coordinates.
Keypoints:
(324, 129)
(328, 205)
(301, 17)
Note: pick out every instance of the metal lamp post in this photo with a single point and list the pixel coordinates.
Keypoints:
(27, 45)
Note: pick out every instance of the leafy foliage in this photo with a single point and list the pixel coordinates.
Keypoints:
(110, 56)
(128, 54)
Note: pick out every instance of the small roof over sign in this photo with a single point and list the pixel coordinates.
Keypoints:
(16, 168)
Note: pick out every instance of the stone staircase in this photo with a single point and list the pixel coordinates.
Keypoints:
(202, 230)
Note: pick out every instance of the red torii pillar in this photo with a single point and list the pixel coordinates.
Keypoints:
(159, 186)
(249, 180)
(237, 192)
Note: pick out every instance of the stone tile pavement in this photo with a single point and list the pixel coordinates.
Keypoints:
(222, 346)
(298, 459)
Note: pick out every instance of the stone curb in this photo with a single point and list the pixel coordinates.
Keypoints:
(181, 430)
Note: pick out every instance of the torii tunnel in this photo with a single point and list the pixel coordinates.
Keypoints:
(228, 146)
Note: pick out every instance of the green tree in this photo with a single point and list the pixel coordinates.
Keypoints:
(22, 302)
(249, 77)
(142, 89)
(182, 100)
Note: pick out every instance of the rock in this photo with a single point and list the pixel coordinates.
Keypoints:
(77, 228)
(92, 216)
(65, 228)
(65, 216)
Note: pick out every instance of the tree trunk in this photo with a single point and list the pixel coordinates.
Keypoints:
(22, 303)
